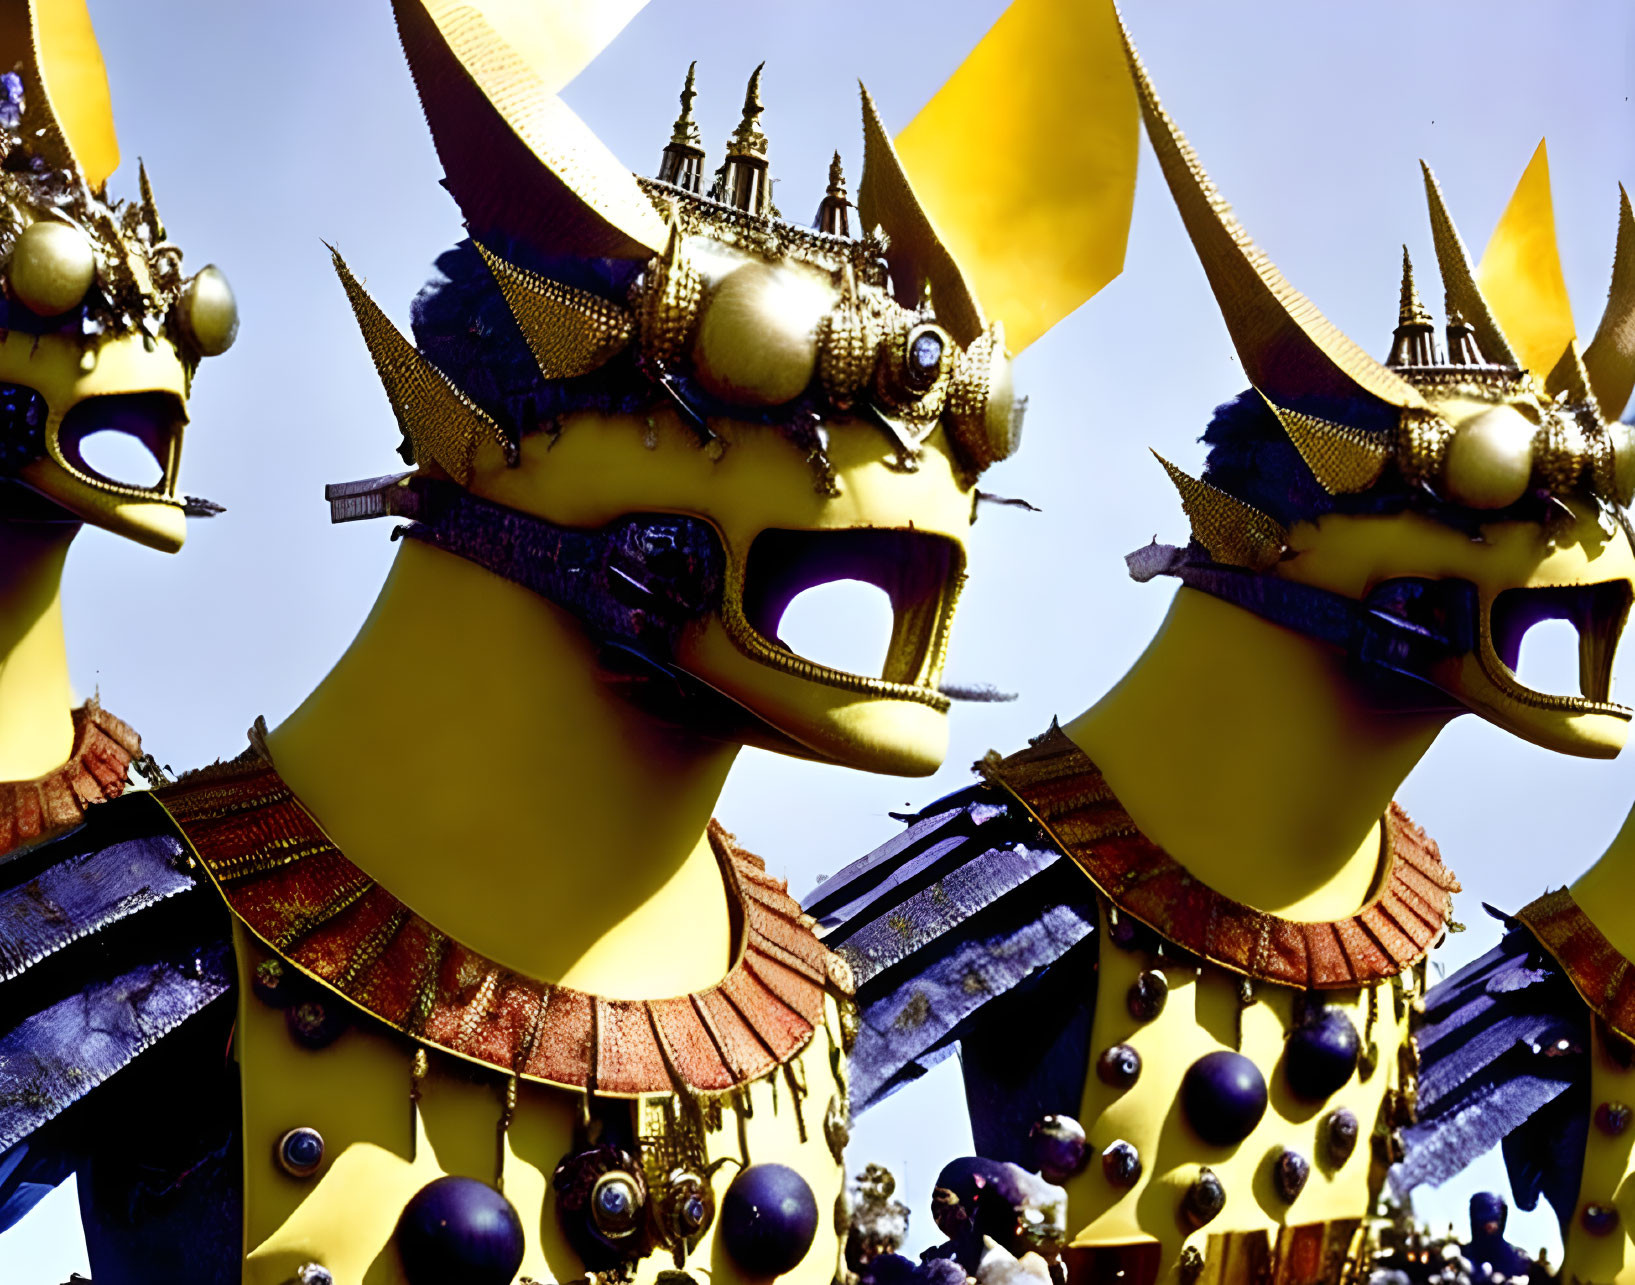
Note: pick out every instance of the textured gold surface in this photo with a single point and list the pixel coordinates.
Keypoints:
(1288, 348)
(918, 257)
(1464, 297)
(1422, 445)
(1610, 358)
(670, 294)
(441, 421)
(1342, 458)
(1233, 532)
(848, 342)
(570, 332)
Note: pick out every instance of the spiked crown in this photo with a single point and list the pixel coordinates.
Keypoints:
(1475, 424)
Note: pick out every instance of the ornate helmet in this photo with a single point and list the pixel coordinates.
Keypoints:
(1508, 434)
(102, 329)
(684, 312)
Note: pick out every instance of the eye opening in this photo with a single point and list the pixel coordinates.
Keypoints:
(925, 356)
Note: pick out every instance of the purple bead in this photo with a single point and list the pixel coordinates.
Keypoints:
(300, 1152)
(1223, 1096)
(1289, 1174)
(1057, 1147)
(1321, 1054)
(1205, 1198)
(1121, 1164)
(459, 1230)
(1612, 1118)
(1147, 995)
(1598, 1220)
(926, 354)
(768, 1219)
(1340, 1130)
(1119, 1066)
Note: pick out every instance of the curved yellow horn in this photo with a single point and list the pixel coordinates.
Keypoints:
(1610, 358)
(1288, 348)
(516, 157)
(53, 47)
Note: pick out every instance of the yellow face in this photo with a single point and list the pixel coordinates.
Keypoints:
(900, 530)
(1581, 569)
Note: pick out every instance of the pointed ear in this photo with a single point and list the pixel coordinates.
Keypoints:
(1520, 272)
(53, 47)
(1234, 533)
(1288, 348)
(1343, 459)
(915, 252)
(444, 424)
(516, 158)
(1610, 358)
(1459, 281)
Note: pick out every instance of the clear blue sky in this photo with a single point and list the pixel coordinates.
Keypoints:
(269, 126)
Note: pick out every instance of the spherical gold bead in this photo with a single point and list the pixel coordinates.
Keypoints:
(1490, 460)
(209, 312)
(52, 266)
(757, 341)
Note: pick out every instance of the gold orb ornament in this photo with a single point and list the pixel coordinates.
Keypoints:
(209, 312)
(1490, 459)
(758, 340)
(51, 267)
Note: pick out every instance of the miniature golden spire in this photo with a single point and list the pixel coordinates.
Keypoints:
(150, 208)
(743, 182)
(1413, 343)
(834, 212)
(1463, 349)
(683, 161)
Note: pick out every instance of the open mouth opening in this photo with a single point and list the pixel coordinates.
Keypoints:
(1596, 613)
(127, 443)
(919, 573)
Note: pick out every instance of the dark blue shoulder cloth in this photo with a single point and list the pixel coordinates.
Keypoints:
(1504, 1058)
(970, 928)
(109, 948)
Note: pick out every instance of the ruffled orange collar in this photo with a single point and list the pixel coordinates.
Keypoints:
(104, 748)
(296, 892)
(1056, 781)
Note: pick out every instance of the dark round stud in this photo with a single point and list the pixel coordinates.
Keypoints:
(300, 1152)
(1339, 1135)
(1321, 1054)
(1057, 1147)
(1121, 1164)
(1146, 996)
(1119, 1066)
(1205, 1198)
(314, 1274)
(601, 1204)
(688, 1208)
(768, 1219)
(1191, 1264)
(1123, 931)
(925, 355)
(1612, 1118)
(1289, 1173)
(270, 983)
(459, 1229)
(616, 1204)
(315, 1024)
(1598, 1220)
(1223, 1096)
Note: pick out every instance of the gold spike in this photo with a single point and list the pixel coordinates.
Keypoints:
(515, 155)
(1569, 376)
(442, 422)
(570, 332)
(1288, 348)
(1056, 149)
(851, 342)
(150, 207)
(1413, 342)
(1610, 358)
(1234, 533)
(672, 289)
(916, 253)
(1343, 459)
(68, 113)
(1460, 282)
(1411, 311)
(1520, 272)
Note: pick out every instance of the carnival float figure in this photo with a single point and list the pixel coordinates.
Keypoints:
(1192, 918)
(101, 330)
(451, 976)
